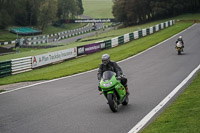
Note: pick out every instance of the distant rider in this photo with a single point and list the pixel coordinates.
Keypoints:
(180, 40)
(108, 65)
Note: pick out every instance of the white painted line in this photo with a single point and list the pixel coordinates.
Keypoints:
(144, 121)
(93, 69)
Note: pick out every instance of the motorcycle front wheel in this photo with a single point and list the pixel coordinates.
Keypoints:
(112, 101)
(126, 101)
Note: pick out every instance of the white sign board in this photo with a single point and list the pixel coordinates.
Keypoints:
(44, 59)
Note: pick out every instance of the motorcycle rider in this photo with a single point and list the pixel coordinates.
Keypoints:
(181, 40)
(108, 65)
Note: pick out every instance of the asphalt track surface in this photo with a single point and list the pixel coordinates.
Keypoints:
(73, 104)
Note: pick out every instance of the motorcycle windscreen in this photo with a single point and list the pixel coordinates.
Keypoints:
(107, 75)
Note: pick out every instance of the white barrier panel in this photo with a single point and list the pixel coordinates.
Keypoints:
(126, 38)
(166, 24)
(21, 65)
(157, 27)
(12, 42)
(171, 22)
(52, 57)
(162, 25)
(114, 42)
(151, 30)
(144, 32)
(136, 35)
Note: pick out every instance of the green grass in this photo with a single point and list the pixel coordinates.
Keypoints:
(6, 36)
(92, 61)
(194, 16)
(2, 91)
(183, 115)
(98, 8)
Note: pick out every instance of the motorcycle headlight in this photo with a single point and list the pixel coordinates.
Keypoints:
(107, 84)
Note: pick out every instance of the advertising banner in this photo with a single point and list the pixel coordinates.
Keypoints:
(103, 45)
(80, 50)
(92, 48)
(44, 59)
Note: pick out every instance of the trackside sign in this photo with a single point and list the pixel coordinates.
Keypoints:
(52, 57)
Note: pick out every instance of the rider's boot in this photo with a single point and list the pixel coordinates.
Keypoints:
(127, 90)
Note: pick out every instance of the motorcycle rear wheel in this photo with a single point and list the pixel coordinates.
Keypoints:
(112, 101)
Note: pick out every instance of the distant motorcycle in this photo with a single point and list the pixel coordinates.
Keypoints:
(179, 47)
(113, 90)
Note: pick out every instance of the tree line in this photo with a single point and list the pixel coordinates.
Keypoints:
(37, 12)
(132, 12)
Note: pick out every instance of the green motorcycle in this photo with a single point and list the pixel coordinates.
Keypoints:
(113, 90)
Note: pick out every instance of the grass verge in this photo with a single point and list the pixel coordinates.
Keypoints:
(183, 115)
(98, 8)
(92, 61)
(2, 91)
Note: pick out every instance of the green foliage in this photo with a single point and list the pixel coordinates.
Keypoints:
(5, 19)
(67, 8)
(80, 5)
(132, 12)
(37, 12)
(2, 91)
(48, 10)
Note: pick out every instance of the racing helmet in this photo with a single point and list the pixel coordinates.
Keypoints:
(180, 37)
(105, 59)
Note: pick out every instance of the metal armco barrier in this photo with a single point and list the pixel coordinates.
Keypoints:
(5, 68)
(21, 65)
